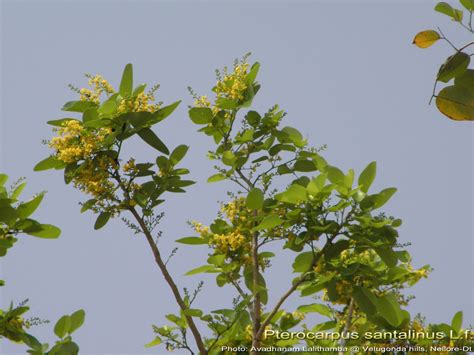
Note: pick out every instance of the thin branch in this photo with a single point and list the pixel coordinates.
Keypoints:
(467, 45)
(447, 40)
(170, 281)
(348, 323)
(301, 279)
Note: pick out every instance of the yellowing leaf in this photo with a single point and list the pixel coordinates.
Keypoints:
(456, 102)
(453, 66)
(426, 39)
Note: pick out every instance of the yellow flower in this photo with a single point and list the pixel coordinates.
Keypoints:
(142, 103)
(226, 243)
(202, 101)
(233, 85)
(74, 142)
(130, 166)
(298, 315)
(93, 177)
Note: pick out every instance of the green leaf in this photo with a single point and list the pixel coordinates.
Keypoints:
(8, 214)
(448, 10)
(295, 136)
(226, 104)
(426, 38)
(316, 308)
(228, 158)
(138, 119)
(216, 178)
(191, 240)
(88, 205)
(62, 326)
(77, 320)
(3, 179)
(98, 123)
(200, 115)
(365, 300)
(46, 231)
(102, 220)
(383, 196)
(252, 75)
(108, 107)
(78, 106)
(294, 194)
(468, 4)
(453, 66)
(389, 308)
(336, 249)
(155, 342)
(269, 222)
(303, 262)
(335, 175)
(26, 209)
(367, 176)
(126, 84)
(138, 90)
(18, 190)
(48, 163)
(31, 342)
(193, 312)
(165, 111)
(178, 154)
(60, 122)
(201, 269)
(152, 139)
(217, 260)
(67, 348)
(261, 284)
(253, 117)
(466, 79)
(90, 115)
(255, 199)
(305, 165)
(456, 323)
(388, 256)
(177, 320)
(456, 102)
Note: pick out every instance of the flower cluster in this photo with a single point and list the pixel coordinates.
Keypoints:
(201, 229)
(141, 103)
(93, 176)
(226, 243)
(99, 85)
(129, 167)
(74, 142)
(233, 85)
(236, 211)
(202, 101)
(14, 327)
(229, 86)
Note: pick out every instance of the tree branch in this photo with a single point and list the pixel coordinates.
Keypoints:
(170, 281)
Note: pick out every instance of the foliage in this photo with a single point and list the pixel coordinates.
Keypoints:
(14, 221)
(455, 101)
(348, 265)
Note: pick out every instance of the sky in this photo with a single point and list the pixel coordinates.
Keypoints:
(346, 73)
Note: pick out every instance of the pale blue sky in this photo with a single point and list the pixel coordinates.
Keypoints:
(345, 71)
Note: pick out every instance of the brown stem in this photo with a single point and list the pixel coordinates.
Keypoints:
(350, 310)
(467, 45)
(170, 281)
(292, 289)
(257, 300)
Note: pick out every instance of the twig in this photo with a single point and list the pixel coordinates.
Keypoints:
(170, 281)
